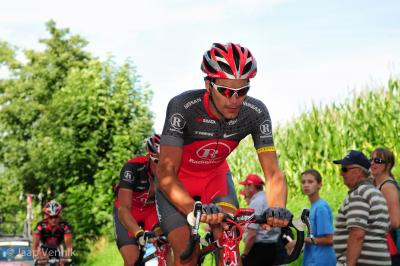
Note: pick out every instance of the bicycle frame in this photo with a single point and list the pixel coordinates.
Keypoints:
(230, 239)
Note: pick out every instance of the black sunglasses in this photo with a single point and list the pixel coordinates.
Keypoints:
(377, 160)
(346, 169)
(53, 217)
(229, 92)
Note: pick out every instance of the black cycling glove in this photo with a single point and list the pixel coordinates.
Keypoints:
(280, 213)
(144, 236)
(211, 208)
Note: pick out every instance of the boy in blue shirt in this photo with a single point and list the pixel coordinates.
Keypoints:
(318, 249)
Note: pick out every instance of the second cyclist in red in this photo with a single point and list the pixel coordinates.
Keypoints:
(134, 205)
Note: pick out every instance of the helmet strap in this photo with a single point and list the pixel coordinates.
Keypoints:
(215, 107)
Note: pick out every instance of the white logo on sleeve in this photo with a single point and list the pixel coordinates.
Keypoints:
(265, 128)
(177, 122)
(128, 176)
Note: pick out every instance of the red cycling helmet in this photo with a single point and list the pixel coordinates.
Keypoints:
(153, 146)
(229, 61)
(52, 208)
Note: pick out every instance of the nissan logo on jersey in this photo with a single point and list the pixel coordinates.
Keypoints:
(265, 128)
(213, 151)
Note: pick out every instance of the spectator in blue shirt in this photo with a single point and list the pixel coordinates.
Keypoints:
(319, 246)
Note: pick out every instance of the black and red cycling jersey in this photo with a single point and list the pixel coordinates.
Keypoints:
(135, 175)
(52, 237)
(206, 140)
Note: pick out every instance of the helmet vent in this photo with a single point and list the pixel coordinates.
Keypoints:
(220, 46)
(236, 57)
(208, 67)
(225, 67)
(247, 67)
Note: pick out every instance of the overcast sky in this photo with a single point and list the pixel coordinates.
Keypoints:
(307, 51)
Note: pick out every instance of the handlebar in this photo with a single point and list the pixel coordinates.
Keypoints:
(298, 225)
(245, 216)
(51, 261)
(150, 234)
(147, 235)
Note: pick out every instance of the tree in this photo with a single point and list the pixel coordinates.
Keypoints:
(68, 122)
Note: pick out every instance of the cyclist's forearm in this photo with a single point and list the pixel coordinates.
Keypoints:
(35, 247)
(276, 190)
(68, 251)
(127, 220)
(173, 189)
(179, 197)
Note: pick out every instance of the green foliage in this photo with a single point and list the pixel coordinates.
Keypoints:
(68, 122)
(104, 254)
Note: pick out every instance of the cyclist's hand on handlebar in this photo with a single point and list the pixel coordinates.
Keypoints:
(146, 236)
(277, 217)
(212, 214)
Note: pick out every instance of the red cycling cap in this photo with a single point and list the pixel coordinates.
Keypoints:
(252, 179)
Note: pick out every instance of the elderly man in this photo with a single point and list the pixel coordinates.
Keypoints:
(363, 219)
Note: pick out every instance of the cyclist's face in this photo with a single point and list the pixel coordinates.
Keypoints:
(229, 107)
(309, 184)
(53, 220)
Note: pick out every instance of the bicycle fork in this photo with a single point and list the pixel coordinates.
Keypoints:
(229, 243)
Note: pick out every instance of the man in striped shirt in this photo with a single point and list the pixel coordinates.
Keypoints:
(363, 219)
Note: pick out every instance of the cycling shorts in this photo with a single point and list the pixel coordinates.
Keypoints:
(216, 189)
(146, 218)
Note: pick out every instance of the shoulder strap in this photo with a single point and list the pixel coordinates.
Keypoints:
(392, 181)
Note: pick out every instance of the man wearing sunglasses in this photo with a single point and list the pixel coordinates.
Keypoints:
(363, 219)
(134, 207)
(201, 129)
(51, 233)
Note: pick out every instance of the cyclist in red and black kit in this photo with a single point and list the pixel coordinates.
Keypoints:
(50, 233)
(134, 204)
(201, 129)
